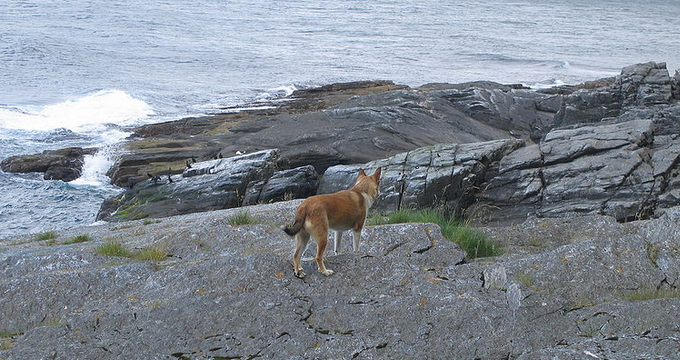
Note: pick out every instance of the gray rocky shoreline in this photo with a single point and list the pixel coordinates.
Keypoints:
(580, 185)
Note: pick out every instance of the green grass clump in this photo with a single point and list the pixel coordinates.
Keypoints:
(78, 239)
(152, 254)
(113, 249)
(241, 218)
(472, 241)
(651, 294)
(147, 253)
(47, 235)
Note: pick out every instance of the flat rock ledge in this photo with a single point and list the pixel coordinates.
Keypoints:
(562, 290)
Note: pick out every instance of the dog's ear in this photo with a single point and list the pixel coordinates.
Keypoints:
(376, 174)
(362, 172)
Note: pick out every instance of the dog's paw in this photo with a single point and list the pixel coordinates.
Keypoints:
(300, 274)
(328, 272)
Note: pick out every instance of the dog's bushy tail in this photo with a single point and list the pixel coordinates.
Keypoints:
(296, 226)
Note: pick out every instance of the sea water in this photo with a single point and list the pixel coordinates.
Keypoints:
(81, 73)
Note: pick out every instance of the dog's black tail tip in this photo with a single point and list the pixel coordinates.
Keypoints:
(287, 230)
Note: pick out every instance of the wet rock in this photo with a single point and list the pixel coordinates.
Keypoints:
(63, 164)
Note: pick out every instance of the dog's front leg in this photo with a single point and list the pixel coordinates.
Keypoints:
(336, 243)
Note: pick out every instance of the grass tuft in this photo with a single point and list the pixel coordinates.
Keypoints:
(47, 235)
(241, 218)
(147, 253)
(472, 241)
(152, 254)
(651, 294)
(113, 249)
(78, 239)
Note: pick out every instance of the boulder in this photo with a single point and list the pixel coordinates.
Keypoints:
(63, 164)
(645, 84)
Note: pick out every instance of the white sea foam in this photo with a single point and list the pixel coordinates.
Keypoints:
(286, 90)
(98, 116)
(88, 114)
(547, 84)
(277, 92)
(95, 167)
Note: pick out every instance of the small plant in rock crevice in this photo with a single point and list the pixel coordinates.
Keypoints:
(78, 239)
(113, 249)
(472, 241)
(651, 294)
(241, 218)
(47, 235)
(149, 253)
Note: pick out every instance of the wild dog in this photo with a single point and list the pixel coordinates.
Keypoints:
(340, 211)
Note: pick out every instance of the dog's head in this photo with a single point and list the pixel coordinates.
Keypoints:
(368, 184)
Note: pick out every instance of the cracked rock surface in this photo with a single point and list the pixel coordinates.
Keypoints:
(224, 291)
(618, 169)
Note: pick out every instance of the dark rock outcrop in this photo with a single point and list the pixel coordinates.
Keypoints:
(63, 164)
(344, 123)
(616, 169)
(639, 85)
(246, 179)
(444, 175)
(288, 184)
(623, 161)
(565, 288)
(209, 185)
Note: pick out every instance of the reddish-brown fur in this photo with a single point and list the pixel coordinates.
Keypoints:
(340, 211)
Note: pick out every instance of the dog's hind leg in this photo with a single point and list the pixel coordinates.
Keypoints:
(321, 237)
(357, 239)
(301, 241)
(336, 243)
